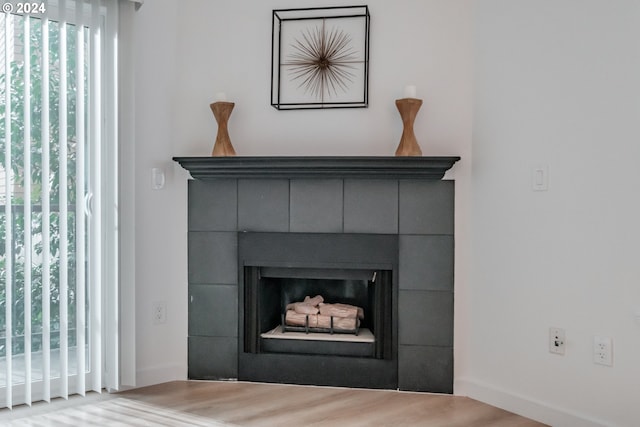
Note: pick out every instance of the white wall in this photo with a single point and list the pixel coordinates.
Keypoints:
(161, 250)
(557, 83)
(225, 46)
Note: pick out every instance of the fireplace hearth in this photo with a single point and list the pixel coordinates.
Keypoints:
(266, 232)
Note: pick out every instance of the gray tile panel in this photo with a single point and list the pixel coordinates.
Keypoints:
(316, 206)
(213, 310)
(371, 206)
(213, 358)
(213, 257)
(425, 318)
(426, 207)
(263, 205)
(213, 205)
(426, 263)
(423, 368)
(306, 249)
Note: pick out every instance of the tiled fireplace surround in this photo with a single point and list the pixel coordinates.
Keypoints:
(418, 210)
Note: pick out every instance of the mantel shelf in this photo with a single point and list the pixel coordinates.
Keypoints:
(204, 168)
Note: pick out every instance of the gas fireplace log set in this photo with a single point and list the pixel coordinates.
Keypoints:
(314, 315)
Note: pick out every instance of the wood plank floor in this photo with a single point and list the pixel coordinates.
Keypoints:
(211, 403)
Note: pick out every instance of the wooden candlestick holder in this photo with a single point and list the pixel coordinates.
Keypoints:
(408, 108)
(222, 111)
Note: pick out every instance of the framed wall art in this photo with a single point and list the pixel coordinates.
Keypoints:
(320, 58)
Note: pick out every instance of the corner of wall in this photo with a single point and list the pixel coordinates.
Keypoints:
(505, 399)
(160, 374)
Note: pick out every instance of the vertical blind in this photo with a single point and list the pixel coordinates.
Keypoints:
(58, 139)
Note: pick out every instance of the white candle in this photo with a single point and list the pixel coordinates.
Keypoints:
(221, 96)
(410, 91)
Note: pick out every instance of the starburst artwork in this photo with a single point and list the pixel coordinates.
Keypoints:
(323, 62)
(320, 58)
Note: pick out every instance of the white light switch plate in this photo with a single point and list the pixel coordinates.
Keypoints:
(157, 178)
(540, 178)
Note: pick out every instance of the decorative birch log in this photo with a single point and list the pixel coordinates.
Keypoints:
(296, 319)
(341, 310)
(315, 300)
(339, 323)
(303, 308)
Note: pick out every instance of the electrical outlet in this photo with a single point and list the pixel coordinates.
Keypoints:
(556, 341)
(603, 351)
(159, 312)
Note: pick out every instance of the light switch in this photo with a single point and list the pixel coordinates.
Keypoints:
(157, 178)
(540, 178)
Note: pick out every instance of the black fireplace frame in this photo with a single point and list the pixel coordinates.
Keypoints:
(323, 251)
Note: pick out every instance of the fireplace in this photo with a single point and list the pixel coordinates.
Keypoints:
(373, 232)
(279, 269)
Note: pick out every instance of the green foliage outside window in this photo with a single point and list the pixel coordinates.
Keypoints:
(18, 249)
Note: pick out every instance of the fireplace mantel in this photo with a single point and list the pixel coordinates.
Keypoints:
(204, 168)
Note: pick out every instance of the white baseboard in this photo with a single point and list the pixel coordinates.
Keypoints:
(522, 405)
(160, 374)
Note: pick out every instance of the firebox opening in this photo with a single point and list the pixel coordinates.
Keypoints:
(340, 312)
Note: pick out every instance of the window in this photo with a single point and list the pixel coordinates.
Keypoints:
(58, 195)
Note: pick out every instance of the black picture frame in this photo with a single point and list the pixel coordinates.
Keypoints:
(320, 58)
